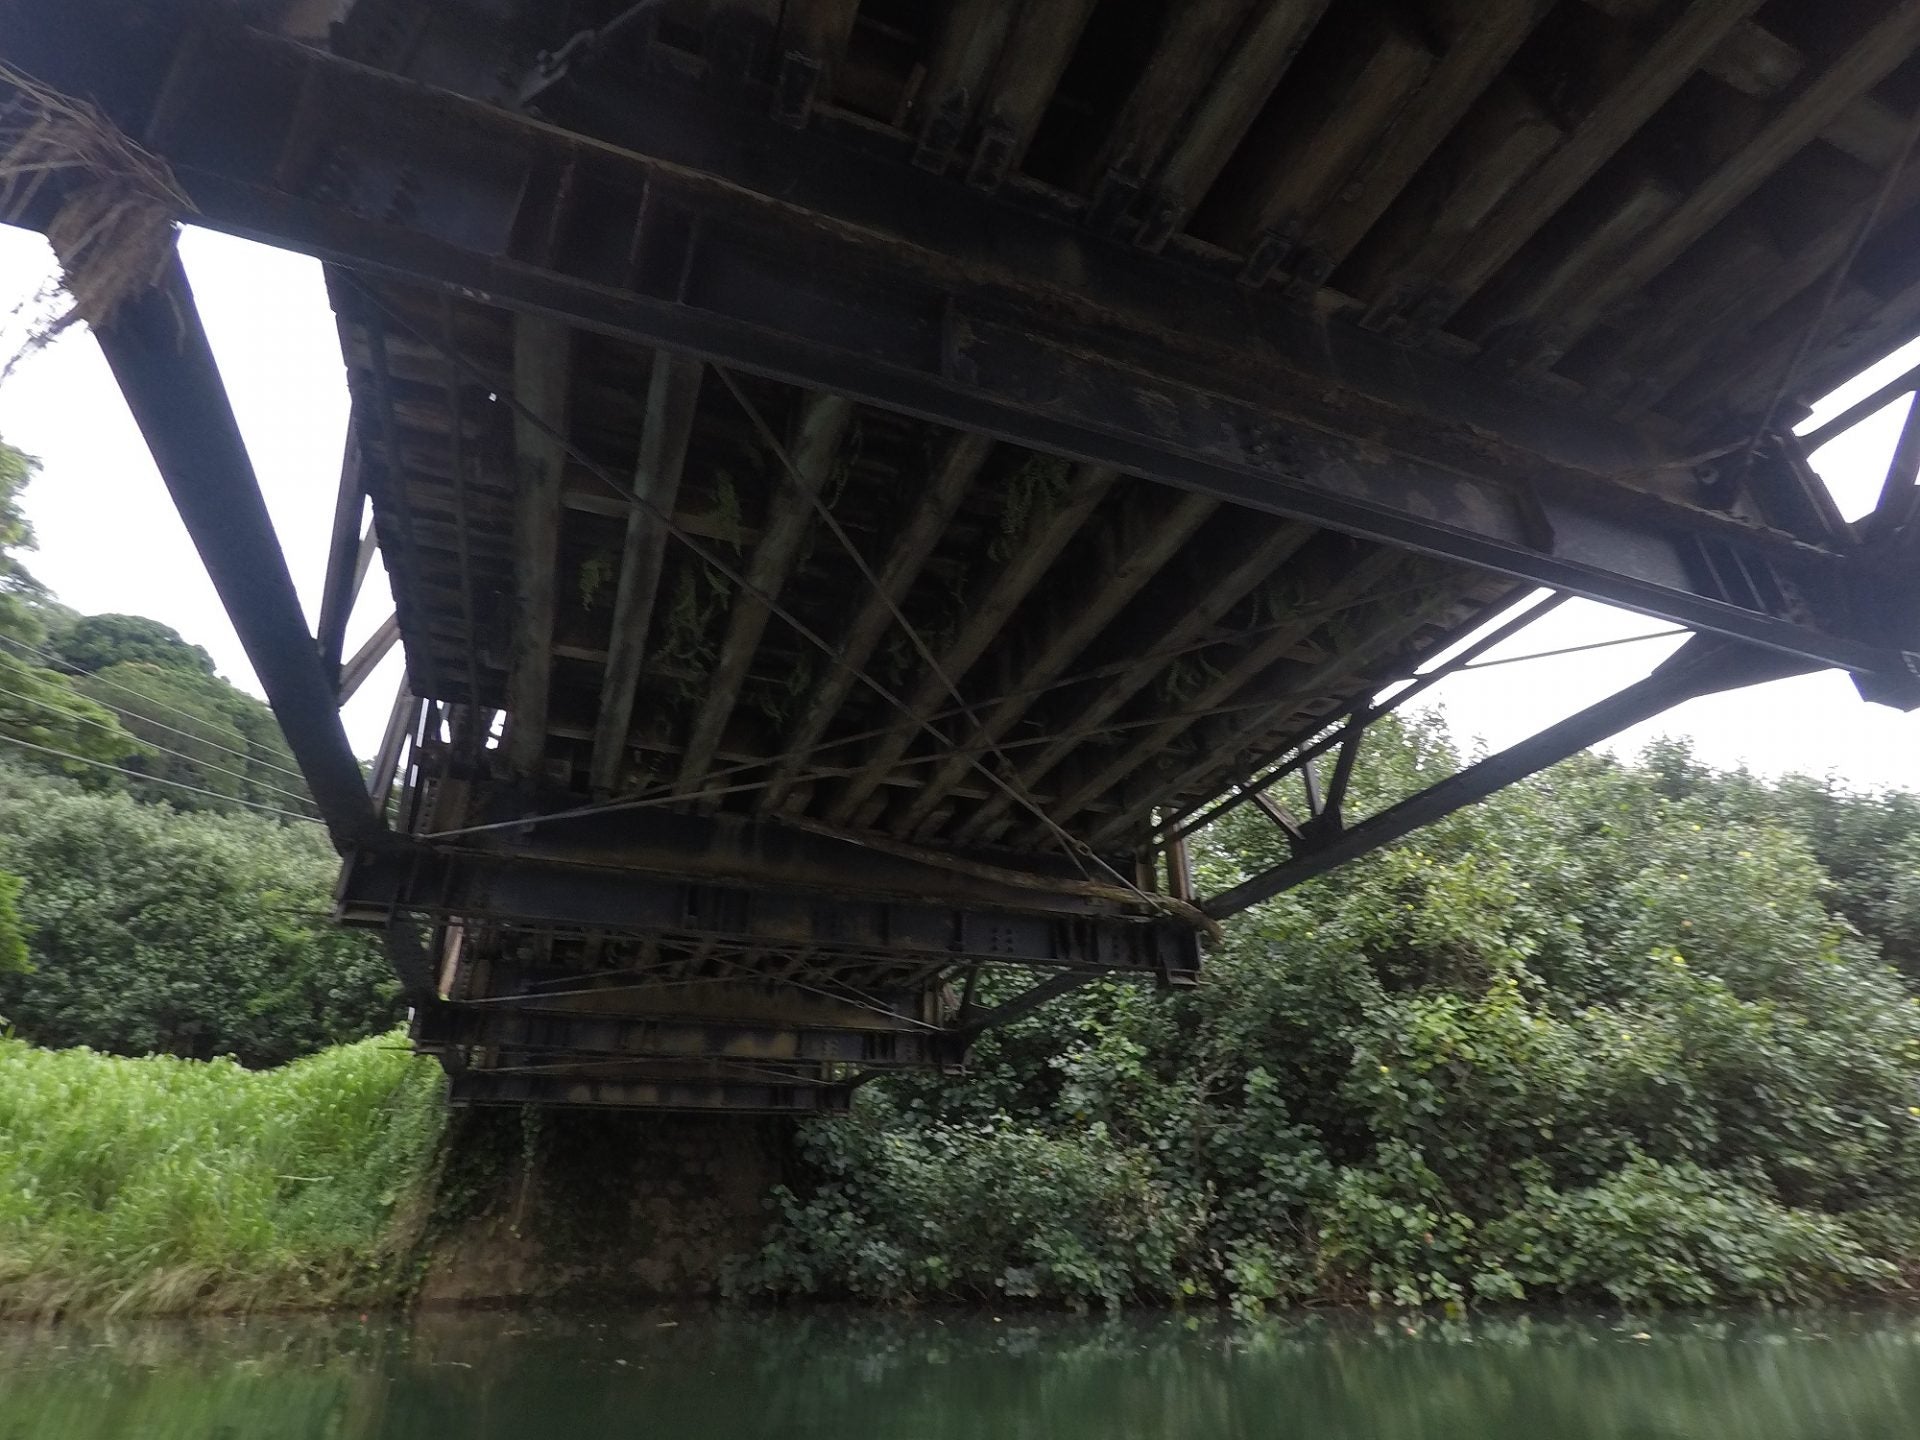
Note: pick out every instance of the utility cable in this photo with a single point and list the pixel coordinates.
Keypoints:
(54, 662)
(166, 750)
(156, 779)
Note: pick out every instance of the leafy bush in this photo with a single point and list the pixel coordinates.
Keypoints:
(1618, 1035)
(147, 929)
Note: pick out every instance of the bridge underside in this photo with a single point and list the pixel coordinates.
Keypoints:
(863, 482)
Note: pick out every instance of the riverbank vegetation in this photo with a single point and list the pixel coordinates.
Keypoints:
(1629, 1034)
(159, 1185)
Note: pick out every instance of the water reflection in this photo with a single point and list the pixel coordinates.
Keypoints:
(701, 1376)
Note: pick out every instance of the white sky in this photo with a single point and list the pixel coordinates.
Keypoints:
(110, 541)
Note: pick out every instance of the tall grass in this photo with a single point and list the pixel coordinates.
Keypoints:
(161, 1185)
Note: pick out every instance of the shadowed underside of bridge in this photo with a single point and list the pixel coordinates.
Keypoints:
(864, 482)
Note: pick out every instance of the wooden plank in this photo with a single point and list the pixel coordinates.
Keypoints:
(1487, 35)
(985, 612)
(813, 43)
(1125, 560)
(1031, 63)
(1306, 143)
(1259, 657)
(790, 512)
(1190, 50)
(1223, 588)
(1522, 320)
(1446, 206)
(542, 372)
(1862, 65)
(1260, 58)
(1668, 62)
(673, 394)
(969, 45)
(907, 554)
(1694, 334)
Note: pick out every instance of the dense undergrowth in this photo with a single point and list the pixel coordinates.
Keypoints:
(1610, 1037)
(160, 1185)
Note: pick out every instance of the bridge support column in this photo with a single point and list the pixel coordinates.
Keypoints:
(587, 1206)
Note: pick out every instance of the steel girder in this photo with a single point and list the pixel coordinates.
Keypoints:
(696, 225)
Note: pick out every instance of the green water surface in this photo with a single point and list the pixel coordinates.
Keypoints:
(705, 1375)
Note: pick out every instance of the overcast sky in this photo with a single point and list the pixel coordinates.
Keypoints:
(110, 541)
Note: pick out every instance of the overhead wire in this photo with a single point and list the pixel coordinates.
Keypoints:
(176, 754)
(54, 661)
(156, 779)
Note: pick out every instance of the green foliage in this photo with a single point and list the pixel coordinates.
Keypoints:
(1622, 1034)
(13, 939)
(149, 930)
(160, 1185)
(38, 705)
(88, 644)
(199, 732)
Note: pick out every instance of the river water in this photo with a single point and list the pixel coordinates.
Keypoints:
(708, 1375)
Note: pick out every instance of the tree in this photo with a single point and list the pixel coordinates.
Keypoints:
(39, 707)
(90, 643)
(155, 930)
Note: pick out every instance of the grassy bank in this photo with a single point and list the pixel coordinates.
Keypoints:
(160, 1185)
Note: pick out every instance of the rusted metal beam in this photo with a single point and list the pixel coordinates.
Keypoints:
(986, 611)
(907, 553)
(1702, 666)
(790, 512)
(542, 377)
(160, 357)
(372, 651)
(341, 584)
(673, 394)
(1133, 549)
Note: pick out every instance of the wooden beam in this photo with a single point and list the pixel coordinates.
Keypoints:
(1031, 63)
(673, 394)
(1308, 141)
(1259, 59)
(1673, 57)
(1865, 63)
(1191, 46)
(1486, 35)
(813, 43)
(1222, 589)
(986, 611)
(1688, 331)
(1134, 548)
(1550, 283)
(1446, 206)
(1254, 661)
(969, 45)
(542, 372)
(790, 512)
(906, 556)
